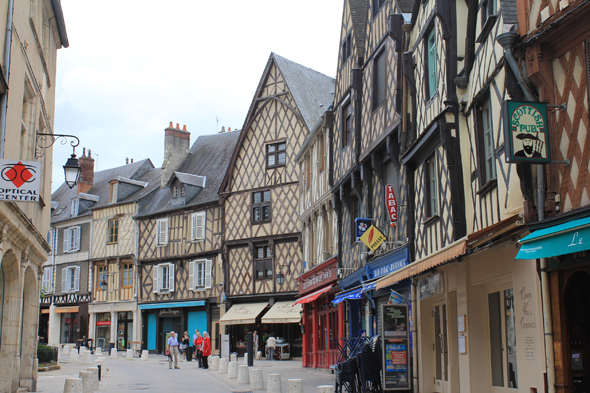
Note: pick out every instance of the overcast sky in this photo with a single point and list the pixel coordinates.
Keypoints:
(134, 66)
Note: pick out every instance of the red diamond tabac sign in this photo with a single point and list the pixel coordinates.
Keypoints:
(20, 181)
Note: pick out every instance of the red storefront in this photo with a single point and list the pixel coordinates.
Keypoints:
(322, 320)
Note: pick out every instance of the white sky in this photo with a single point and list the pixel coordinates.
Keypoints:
(134, 66)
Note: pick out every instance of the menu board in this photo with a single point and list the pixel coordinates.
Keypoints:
(396, 359)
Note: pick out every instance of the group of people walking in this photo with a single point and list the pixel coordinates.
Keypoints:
(201, 348)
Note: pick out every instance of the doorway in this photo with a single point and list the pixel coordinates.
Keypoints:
(578, 317)
(441, 346)
(167, 325)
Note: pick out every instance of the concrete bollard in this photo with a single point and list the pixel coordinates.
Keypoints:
(243, 374)
(74, 356)
(129, 354)
(256, 379)
(86, 359)
(232, 370)
(65, 350)
(234, 358)
(295, 386)
(114, 353)
(98, 351)
(87, 381)
(274, 384)
(145, 355)
(73, 385)
(246, 358)
(214, 363)
(94, 371)
(325, 389)
(223, 365)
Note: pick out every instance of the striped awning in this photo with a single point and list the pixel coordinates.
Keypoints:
(313, 296)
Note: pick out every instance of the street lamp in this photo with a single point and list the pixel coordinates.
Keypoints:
(281, 276)
(72, 167)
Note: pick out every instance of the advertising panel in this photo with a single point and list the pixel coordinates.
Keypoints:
(396, 356)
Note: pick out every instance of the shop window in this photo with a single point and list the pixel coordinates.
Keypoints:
(200, 274)
(263, 263)
(163, 277)
(127, 275)
(70, 279)
(162, 231)
(261, 206)
(113, 231)
(198, 221)
(276, 154)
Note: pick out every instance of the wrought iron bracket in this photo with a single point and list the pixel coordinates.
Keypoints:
(560, 107)
(45, 141)
(565, 162)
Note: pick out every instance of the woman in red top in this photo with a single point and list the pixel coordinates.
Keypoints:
(199, 343)
(206, 349)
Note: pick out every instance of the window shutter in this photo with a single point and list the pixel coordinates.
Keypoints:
(193, 226)
(51, 286)
(163, 231)
(64, 279)
(156, 278)
(76, 246)
(320, 247)
(66, 240)
(200, 225)
(77, 279)
(191, 276)
(208, 266)
(171, 277)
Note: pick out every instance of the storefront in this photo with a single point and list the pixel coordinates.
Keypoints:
(161, 318)
(103, 330)
(322, 320)
(73, 323)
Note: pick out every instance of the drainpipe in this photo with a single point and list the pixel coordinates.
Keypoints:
(415, 340)
(6, 60)
(507, 41)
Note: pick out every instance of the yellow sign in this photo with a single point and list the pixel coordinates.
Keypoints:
(373, 238)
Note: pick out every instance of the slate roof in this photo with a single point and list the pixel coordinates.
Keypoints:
(311, 90)
(143, 171)
(508, 8)
(188, 178)
(359, 12)
(209, 156)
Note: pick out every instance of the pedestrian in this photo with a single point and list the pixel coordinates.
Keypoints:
(173, 350)
(255, 343)
(206, 350)
(194, 343)
(271, 343)
(184, 344)
(199, 345)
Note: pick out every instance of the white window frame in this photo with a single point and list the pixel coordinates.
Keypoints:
(72, 239)
(162, 231)
(200, 274)
(75, 207)
(47, 280)
(159, 278)
(198, 226)
(70, 279)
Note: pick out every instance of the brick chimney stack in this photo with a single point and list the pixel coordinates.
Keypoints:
(86, 179)
(176, 150)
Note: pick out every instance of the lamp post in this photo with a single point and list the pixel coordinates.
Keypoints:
(280, 276)
(72, 167)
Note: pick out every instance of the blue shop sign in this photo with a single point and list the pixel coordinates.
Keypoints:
(361, 225)
(389, 263)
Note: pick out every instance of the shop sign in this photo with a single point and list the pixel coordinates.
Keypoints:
(395, 333)
(20, 180)
(526, 131)
(391, 203)
(361, 225)
(373, 238)
(318, 278)
(396, 298)
(103, 323)
(168, 311)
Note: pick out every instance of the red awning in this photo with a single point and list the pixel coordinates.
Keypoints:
(313, 296)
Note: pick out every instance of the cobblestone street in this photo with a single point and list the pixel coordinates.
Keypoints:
(120, 375)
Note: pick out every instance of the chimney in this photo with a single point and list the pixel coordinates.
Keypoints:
(126, 160)
(86, 179)
(176, 150)
(228, 129)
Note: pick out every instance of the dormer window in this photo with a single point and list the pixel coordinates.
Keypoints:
(75, 206)
(113, 192)
(178, 191)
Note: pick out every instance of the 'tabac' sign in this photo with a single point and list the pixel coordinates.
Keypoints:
(391, 203)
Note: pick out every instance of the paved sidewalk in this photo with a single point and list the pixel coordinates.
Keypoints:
(120, 375)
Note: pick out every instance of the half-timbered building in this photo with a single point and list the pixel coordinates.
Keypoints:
(180, 231)
(260, 196)
(120, 193)
(367, 134)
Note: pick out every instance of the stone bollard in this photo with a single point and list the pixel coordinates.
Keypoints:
(258, 355)
(145, 355)
(214, 363)
(274, 384)
(86, 359)
(295, 386)
(232, 370)
(74, 356)
(98, 351)
(234, 358)
(223, 365)
(114, 353)
(66, 349)
(129, 354)
(94, 371)
(87, 381)
(73, 385)
(325, 389)
(246, 358)
(256, 379)
(243, 374)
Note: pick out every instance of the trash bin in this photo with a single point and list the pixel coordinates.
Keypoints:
(189, 353)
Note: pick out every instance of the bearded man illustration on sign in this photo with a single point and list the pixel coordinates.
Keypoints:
(531, 146)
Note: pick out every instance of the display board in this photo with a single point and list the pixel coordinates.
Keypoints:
(396, 346)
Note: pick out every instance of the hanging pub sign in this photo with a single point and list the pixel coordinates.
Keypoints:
(391, 203)
(396, 346)
(526, 132)
(20, 181)
(361, 225)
